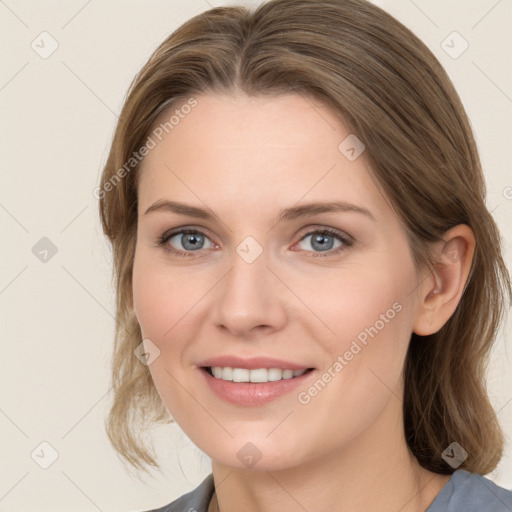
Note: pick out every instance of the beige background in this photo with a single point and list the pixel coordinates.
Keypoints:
(58, 115)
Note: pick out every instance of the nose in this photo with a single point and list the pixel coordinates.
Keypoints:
(249, 299)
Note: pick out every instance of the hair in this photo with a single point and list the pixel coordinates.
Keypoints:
(391, 91)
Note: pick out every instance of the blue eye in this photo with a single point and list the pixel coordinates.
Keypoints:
(189, 239)
(321, 241)
(325, 241)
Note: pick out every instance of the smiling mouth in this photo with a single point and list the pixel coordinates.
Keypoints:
(260, 375)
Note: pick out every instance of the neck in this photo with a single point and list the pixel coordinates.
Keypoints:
(374, 473)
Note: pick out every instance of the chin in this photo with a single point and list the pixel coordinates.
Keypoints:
(260, 454)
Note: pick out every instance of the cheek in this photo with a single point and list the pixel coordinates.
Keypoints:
(151, 303)
(168, 304)
(161, 308)
(160, 293)
(364, 359)
(369, 312)
(360, 304)
(156, 300)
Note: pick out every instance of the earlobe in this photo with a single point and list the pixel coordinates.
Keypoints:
(441, 292)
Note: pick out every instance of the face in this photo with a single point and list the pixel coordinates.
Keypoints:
(239, 275)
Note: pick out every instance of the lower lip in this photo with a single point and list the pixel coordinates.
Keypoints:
(252, 394)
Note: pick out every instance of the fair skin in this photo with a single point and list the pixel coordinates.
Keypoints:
(245, 159)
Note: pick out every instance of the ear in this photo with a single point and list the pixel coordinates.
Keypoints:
(440, 293)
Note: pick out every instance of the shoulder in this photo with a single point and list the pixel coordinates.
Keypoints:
(194, 501)
(470, 492)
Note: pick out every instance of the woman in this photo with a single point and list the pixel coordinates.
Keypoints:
(308, 280)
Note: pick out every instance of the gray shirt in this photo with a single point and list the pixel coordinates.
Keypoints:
(464, 492)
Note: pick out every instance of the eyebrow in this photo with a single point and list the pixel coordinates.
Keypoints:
(294, 212)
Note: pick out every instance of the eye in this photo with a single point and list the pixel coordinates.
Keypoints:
(319, 243)
(326, 241)
(185, 241)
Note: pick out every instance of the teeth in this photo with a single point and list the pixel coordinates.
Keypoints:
(239, 375)
(217, 372)
(256, 375)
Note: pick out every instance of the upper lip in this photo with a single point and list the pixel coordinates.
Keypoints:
(252, 363)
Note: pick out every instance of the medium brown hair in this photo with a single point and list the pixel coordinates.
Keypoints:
(391, 91)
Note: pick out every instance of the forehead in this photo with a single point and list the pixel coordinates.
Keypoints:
(256, 151)
(241, 121)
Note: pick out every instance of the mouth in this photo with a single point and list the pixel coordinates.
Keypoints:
(255, 375)
(254, 382)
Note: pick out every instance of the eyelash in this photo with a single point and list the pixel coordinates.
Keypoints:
(346, 242)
